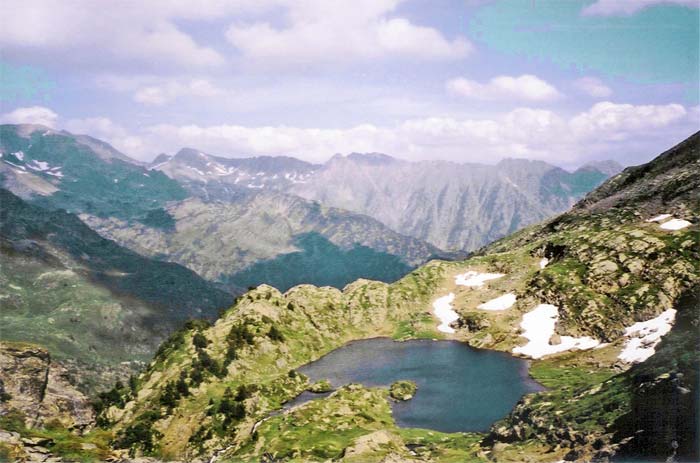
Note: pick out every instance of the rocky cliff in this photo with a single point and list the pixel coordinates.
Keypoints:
(41, 388)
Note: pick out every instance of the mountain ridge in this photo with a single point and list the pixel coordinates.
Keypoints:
(603, 269)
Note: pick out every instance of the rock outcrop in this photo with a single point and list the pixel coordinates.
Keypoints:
(40, 389)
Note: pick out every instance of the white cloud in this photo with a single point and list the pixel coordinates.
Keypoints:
(628, 7)
(606, 130)
(525, 88)
(104, 128)
(111, 33)
(161, 94)
(334, 31)
(155, 34)
(618, 121)
(593, 87)
(30, 115)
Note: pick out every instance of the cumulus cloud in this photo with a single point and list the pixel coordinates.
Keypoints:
(619, 121)
(112, 33)
(30, 115)
(628, 7)
(525, 88)
(320, 32)
(161, 94)
(154, 34)
(104, 128)
(593, 87)
(605, 130)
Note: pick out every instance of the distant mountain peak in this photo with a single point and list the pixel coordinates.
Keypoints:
(608, 167)
(161, 159)
(186, 154)
(364, 158)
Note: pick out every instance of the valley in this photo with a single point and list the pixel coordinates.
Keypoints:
(392, 231)
(580, 295)
(600, 273)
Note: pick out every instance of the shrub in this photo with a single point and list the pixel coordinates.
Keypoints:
(200, 341)
(275, 334)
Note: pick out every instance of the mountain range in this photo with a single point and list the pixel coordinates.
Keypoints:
(617, 276)
(261, 214)
(450, 205)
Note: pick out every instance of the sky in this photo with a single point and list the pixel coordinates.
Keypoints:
(565, 81)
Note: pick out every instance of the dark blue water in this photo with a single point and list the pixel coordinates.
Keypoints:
(459, 388)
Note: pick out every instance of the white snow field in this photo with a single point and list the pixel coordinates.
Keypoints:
(644, 336)
(475, 279)
(442, 307)
(538, 327)
(672, 224)
(659, 218)
(504, 302)
(675, 224)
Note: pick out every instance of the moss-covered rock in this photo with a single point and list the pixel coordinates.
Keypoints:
(403, 390)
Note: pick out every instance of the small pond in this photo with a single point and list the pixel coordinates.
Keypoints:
(459, 388)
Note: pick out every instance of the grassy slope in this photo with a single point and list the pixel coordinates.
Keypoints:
(85, 297)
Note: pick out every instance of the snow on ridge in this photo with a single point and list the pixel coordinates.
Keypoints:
(675, 224)
(659, 218)
(17, 166)
(38, 165)
(19, 155)
(504, 302)
(476, 279)
(538, 327)
(644, 336)
(442, 307)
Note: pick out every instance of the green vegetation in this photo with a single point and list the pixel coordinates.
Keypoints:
(403, 390)
(84, 297)
(67, 444)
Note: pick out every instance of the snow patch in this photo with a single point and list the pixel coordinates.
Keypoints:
(644, 336)
(504, 302)
(538, 327)
(659, 218)
(39, 165)
(675, 224)
(442, 307)
(543, 262)
(56, 173)
(19, 155)
(476, 279)
(196, 170)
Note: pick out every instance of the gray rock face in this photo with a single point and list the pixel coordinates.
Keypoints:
(450, 205)
(258, 227)
(39, 388)
(213, 177)
(453, 206)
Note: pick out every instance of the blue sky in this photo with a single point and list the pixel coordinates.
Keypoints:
(566, 81)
